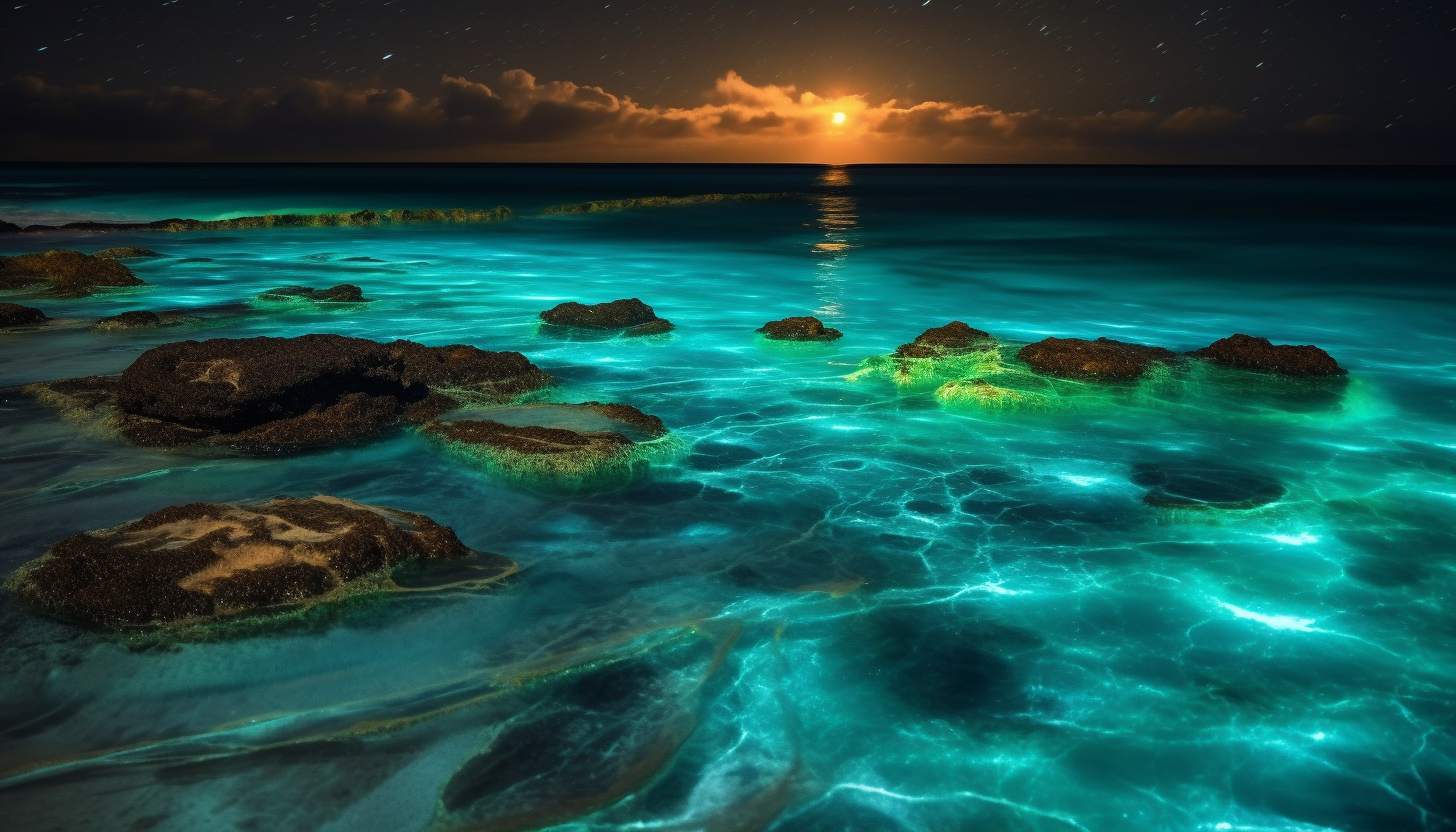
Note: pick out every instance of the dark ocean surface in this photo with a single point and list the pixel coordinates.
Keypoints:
(842, 603)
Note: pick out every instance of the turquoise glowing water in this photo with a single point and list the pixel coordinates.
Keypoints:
(1032, 646)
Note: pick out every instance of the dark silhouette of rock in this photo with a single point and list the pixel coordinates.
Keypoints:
(9, 228)
(619, 314)
(354, 219)
(204, 560)
(66, 273)
(135, 319)
(343, 293)
(13, 314)
(125, 253)
(1246, 352)
(937, 342)
(1205, 485)
(800, 328)
(277, 395)
(1100, 360)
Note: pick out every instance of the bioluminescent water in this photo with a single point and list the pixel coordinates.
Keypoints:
(1209, 599)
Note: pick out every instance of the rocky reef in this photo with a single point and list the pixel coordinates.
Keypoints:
(199, 561)
(938, 342)
(64, 273)
(1246, 352)
(589, 455)
(1099, 360)
(354, 219)
(799, 328)
(281, 395)
(630, 315)
(606, 205)
(13, 314)
(126, 253)
(343, 293)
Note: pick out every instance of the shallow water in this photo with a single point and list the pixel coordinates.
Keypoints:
(844, 604)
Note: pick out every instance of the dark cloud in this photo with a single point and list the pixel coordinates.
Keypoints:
(521, 118)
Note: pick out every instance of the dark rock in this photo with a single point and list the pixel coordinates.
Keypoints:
(1205, 485)
(136, 319)
(272, 395)
(942, 340)
(555, 458)
(1249, 353)
(1100, 360)
(203, 560)
(619, 314)
(343, 293)
(801, 328)
(125, 253)
(9, 228)
(67, 273)
(658, 327)
(13, 314)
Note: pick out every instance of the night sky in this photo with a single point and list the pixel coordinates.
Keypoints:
(1269, 81)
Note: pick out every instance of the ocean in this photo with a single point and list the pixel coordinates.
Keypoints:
(846, 600)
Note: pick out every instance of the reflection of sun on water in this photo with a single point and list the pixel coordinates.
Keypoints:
(838, 216)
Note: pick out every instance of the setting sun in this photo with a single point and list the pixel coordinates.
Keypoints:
(838, 118)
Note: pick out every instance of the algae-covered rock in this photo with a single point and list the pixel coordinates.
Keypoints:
(343, 293)
(572, 448)
(1246, 352)
(278, 395)
(13, 314)
(626, 313)
(65, 273)
(940, 341)
(983, 394)
(657, 327)
(1099, 360)
(205, 560)
(135, 319)
(799, 328)
(126, 253)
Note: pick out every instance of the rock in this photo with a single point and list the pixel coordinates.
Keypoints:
(658, 327)
(1100, 360)
(1246, 352)
(205, 560)
(1205, 485)
(619, 314)
(9, 228)
(273, 395)
(983, 394)
(125, 253)
(68, 273)
(801, 328)
(13, 314)
(136, 319)
(343, 293)
(555, 458)
(943, 340)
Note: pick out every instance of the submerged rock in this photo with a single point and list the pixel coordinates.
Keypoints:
(66, 273)
(657, 327)
(274, 395)
(940, 341)
(800, 328)
(984, 394)
(135, 319)
(13, 314)
(204, 560)
(1205, 485)
(552, 456)
(125, 253)
(343, 293)
(1246, 352)
(1100, 360)
(626, 314)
